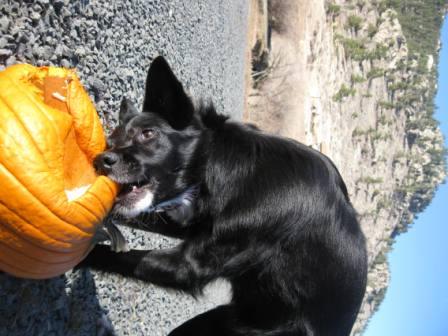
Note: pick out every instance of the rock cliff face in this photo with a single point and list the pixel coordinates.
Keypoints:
(363, 94)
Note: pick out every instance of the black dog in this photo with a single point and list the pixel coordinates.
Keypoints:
(267, 213)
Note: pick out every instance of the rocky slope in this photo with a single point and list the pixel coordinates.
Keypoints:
(345, 78)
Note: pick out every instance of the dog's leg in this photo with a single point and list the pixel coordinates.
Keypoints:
(163, 224)
(104, 259)
(224, 321)
(158, 223)
(175, 268)
(180, 268)
(217, 322)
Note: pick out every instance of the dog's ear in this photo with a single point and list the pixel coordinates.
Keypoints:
(165, 95)
(127, 111)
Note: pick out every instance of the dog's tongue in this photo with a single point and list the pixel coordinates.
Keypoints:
(128, 189)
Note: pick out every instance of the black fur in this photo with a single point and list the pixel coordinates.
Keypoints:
(272, 216)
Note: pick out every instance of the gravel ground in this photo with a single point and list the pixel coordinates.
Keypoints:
(111, 44)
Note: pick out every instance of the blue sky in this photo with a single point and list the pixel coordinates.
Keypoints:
(416, 303)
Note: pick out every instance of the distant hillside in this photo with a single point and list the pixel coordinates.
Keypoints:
(357, 79)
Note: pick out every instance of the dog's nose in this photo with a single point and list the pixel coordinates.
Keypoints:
(103, 163)
(110, 158)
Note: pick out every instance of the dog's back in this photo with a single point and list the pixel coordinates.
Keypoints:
(287, 204)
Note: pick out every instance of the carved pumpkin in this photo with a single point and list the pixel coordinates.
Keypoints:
(51, 201)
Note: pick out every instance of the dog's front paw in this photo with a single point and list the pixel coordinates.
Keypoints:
(102, 258)
(98, 258)
(110, 232)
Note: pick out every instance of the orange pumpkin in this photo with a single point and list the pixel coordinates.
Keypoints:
(51, 201)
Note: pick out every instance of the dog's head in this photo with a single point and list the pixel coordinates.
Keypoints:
(149, 151)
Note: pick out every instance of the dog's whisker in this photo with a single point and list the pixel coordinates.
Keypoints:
(161, 217)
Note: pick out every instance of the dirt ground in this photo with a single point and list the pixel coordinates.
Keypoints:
(277, 104)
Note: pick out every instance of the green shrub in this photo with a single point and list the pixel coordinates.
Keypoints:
(402, 65)
(360, 4)
(408, 98)
(384, 203)
(357, 79)
(379, 52)
(422, 67)
(333, 9)
(398, 86)
(355, 49)
(383, 121)
(380, 136)
(371, 180)
(392, 16)
(382, 6)
(375, 73)
(385, 104)
(371, 30)
(357, 132)
(354, 22)
(338, 38)
(421, 22)
(343, 92)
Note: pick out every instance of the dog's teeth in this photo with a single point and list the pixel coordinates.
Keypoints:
(134, 188)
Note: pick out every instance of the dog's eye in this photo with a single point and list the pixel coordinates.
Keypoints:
(148, 134)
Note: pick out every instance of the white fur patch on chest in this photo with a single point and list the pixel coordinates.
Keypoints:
(138, 207)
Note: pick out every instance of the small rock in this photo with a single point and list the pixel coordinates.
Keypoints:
(58, 5)
(3, 42)
(4, 24)
(80, 51)
(65, 12)
(21, 49)
(37, 8)
(97, 85)
(5, 52)
(74, 34)
(37, 50)
(59, 50)
(35, 16)
(45, 52)
(66, 64)
(11, 60)
(23, 38)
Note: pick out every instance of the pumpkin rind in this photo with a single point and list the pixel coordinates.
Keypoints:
(45, 151)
